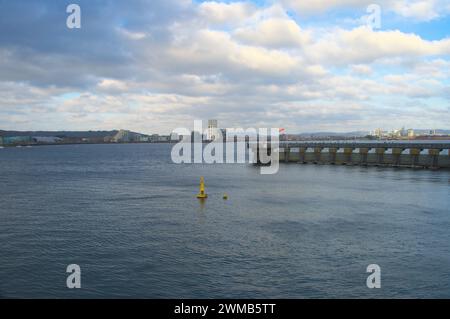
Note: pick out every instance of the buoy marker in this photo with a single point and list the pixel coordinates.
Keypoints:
(202, 194)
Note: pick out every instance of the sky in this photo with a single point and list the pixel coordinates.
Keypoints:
(152, 66)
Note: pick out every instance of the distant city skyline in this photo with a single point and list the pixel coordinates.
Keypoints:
(209, 131)
(152, 66)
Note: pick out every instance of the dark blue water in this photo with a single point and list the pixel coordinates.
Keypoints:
(130, 219)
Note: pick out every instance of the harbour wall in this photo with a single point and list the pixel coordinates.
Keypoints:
(417, 155)
(372, 159)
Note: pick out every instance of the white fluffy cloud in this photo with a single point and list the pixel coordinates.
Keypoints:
(362, 45)
(275, 33)
(226, 13)
(423, 10)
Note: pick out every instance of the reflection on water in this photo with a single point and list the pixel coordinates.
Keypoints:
(202, 203)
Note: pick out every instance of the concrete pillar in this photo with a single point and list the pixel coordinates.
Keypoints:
(287, 153)
(348, 151)
(363, 153)
(380, 155)
(397, 152)
(333, 151)
(415, 153)
(302, 155)
(434, 154)
(317, 154)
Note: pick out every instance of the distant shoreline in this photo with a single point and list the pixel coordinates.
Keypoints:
(96, 143)
(412, 141)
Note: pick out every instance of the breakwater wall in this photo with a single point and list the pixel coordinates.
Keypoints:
(412, 155)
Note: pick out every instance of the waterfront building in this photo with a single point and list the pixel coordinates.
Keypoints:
(379, 133)
(164, 139)
(154, 138)
(212, 130)
(46, 139)
(403, 132)
(144, 138)
(174, 137)
(122, 136)
(17, 140)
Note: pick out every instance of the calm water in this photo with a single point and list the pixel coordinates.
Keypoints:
(129, 218)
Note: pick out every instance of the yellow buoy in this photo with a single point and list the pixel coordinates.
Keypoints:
(202, 194)
(225, 196)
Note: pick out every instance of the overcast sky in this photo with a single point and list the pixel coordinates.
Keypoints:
(155, 65)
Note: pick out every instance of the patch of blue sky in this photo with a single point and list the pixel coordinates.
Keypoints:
(436, 29)
(69, 96)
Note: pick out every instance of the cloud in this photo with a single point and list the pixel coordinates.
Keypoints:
(155, 65)
(362, 45)
(419, 10)
(361, 69)
(322, 5)
(215, 52)
(132, 35)
(225, 13)
(112, 85)
(274, 33)
(422, 10)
